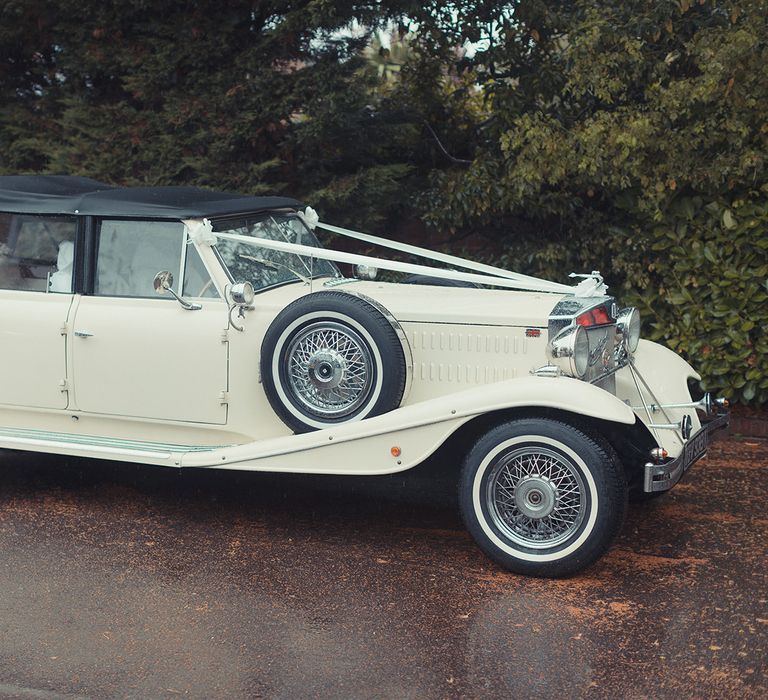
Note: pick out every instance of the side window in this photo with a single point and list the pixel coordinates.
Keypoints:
(197, 282)
(131, 253)
(37, 253)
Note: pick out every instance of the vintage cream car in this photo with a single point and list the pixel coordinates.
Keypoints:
(186, 328)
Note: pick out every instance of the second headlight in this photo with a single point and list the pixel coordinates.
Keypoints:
(628, 326)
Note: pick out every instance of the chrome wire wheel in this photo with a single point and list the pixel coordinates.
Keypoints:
(536, 497)
(330, 369)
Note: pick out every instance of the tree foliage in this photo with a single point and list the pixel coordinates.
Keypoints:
(236, 95)
(553, 135)
(632, 136)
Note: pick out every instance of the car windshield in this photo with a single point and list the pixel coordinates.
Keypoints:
(263, 267)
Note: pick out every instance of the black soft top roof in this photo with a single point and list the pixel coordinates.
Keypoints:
(62, 194)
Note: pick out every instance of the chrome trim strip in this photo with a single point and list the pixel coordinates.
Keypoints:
(94, 442)
(706, 404)
(633, 374)
(609, 373)
(653, 396)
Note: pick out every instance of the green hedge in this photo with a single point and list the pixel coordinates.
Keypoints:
(708, 296)
(699, 277)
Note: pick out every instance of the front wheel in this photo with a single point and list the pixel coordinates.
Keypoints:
(542, 498)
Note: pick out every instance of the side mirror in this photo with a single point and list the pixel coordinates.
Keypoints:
(163, 283)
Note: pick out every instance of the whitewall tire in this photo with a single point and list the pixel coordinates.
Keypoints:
(331, 358)
(541, 497)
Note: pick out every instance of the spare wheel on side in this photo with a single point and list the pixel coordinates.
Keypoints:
(331, 358)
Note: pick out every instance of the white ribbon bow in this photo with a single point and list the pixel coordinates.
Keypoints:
(200, 232)
(309, 217)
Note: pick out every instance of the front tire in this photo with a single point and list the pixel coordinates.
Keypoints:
(541, 497)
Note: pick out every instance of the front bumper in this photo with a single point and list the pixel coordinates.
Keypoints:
(662, 477)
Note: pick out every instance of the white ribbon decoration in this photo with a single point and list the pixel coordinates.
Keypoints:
(200, 232)
(310, 217)
(450, 260)
(409, 268)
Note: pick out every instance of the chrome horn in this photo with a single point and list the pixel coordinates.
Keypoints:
(685, 426)
(706, 404)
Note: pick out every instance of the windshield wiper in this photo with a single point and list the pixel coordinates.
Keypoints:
(284, 234)
(270, 265)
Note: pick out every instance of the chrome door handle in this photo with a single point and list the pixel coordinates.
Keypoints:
(83, 334)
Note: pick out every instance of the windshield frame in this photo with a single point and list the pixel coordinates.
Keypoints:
(219, 226)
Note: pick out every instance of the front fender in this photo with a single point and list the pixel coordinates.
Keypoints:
(666, 374)
(417, 430)
(561, 393)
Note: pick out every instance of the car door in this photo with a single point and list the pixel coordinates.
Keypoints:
(137, 353)
(36, 262)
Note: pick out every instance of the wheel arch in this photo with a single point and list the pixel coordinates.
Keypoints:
(555, 461)
(631, 443)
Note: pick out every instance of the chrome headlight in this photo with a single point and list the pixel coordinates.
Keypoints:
(242, 293)
(628, 326)
(569, 350)
(366, 272)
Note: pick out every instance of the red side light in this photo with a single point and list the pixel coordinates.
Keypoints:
(532, 332)
(600, 314)
(594, 317)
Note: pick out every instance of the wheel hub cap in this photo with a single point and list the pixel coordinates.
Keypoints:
(326, 369)
(535, 497)
(330, 370)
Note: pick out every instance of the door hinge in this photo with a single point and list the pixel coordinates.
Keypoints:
(225, 336)
(63, 385)
(64, 329)
(223, 397)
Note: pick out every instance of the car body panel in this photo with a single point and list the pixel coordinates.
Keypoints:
(459, 305)
(149, 358)
(33, 344)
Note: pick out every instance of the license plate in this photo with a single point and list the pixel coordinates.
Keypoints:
(695, 448)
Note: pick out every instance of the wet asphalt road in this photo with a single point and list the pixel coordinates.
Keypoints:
(118, 581)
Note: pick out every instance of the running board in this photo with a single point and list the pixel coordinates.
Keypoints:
(95, 446)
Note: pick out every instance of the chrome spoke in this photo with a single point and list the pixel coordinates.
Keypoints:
(330, 369)
(536, 497)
